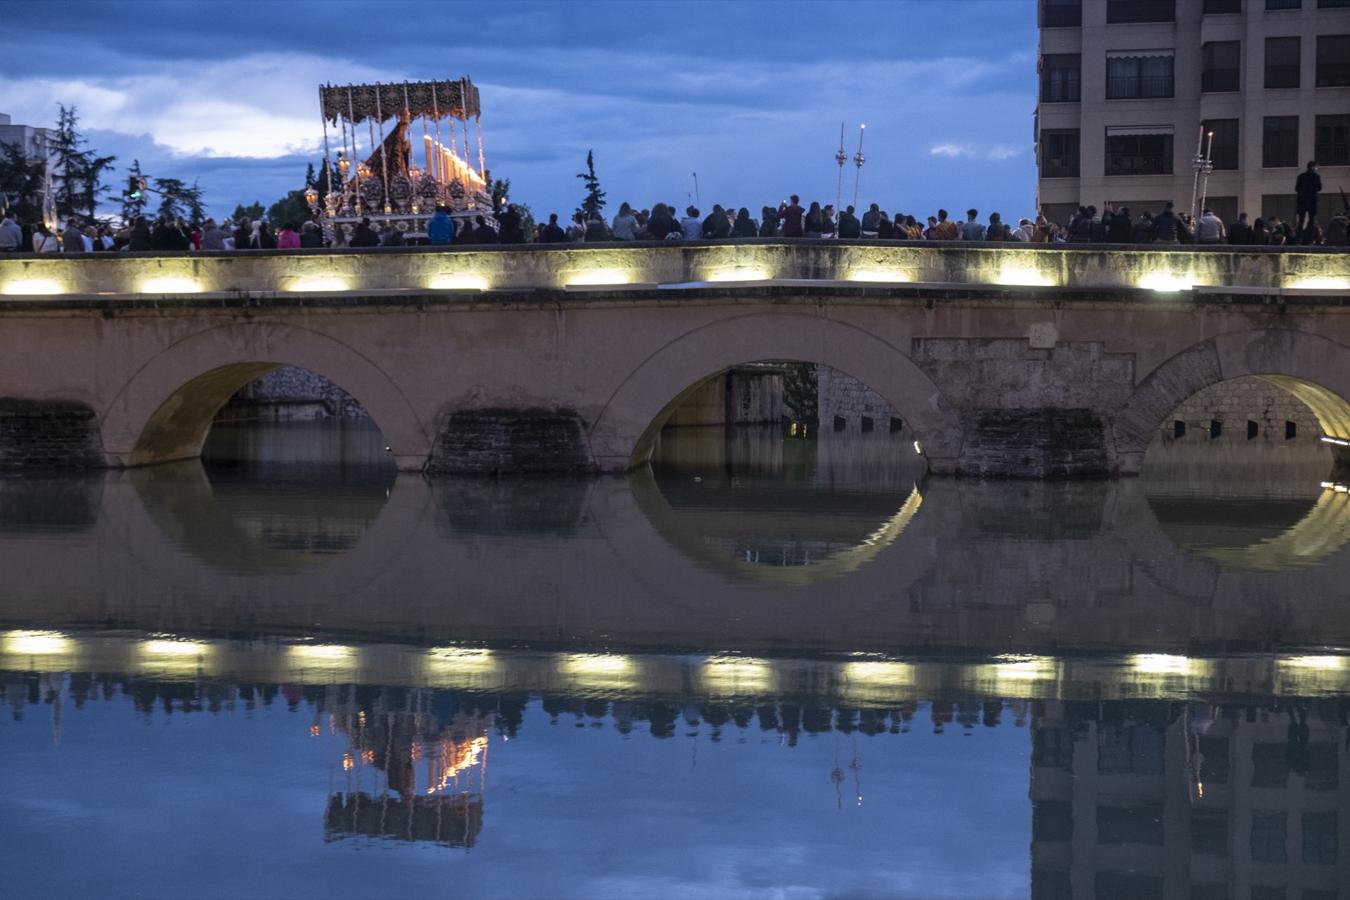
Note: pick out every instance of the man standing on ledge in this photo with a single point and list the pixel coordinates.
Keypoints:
(1307, 186)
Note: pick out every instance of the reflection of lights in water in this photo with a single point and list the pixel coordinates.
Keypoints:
(174, 647)
(347, 762)
(879, 672)
(37, 643)
(600, 670)
(738, 675)
(1164, 664)
(322, 651)
(461, 660)
(314, 731)
(453, 757)
(1323, 663)
(1328, 439)
(918, 448)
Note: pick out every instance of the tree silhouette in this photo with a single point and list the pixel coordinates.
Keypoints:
(21, 183)
(79, 172)
(595, 198)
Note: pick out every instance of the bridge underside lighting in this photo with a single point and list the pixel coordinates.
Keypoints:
(32, 287)
(1166, 282)
(170, 285)
(1328, 439)
(458, 282)
(599, 277)
(316, 283)
(739, 273)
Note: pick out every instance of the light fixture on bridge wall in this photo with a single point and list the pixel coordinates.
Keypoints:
(880, 276)
(32, 287)
(170, 284)
(1321, 283)
(736, 675)
(307, 283)
(1166, 282)
(597, 277)
(739, 273)
(458, 281)
(1023, 276)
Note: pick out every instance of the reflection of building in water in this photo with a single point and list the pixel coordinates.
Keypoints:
(1138, 799)
(417, 744)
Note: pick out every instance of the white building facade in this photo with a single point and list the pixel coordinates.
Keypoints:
(37, 143)
(1127, 87)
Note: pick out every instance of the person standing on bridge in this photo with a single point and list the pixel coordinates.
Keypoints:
(11, 235)
(1306, 188)
(440, 227)
(791, 217)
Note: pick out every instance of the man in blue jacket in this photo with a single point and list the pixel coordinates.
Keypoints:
(441, 228)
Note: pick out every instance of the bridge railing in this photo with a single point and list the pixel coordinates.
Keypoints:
(649, 265)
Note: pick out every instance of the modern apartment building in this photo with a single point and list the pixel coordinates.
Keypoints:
(35, 141)
(1128, 86)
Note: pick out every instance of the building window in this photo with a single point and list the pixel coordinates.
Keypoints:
(1268, 835)
(1284, 4)
(1333, 4)
(1130, 824)
(1059, 78)
(1221, 69)
(1279, 148)
(1223, 151)
(1222, 7)
(1333, 60)
(1282, 206)
(1059, 153)
(1061, 13)
(1051, 821)
(1134, 151)
(1332, 142)
(1282, 66)
(1319, 838)
(1209, 832)
(1136, 77)
(1125, 11)
(1130, 749)
(1213, 759)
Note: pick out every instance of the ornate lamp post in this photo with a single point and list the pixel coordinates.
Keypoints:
(1203, 165)
(858, 160)
(840, 158)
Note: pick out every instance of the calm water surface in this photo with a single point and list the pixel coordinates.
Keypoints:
(768, 666)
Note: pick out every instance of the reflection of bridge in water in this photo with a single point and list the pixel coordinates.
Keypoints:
(1233, 774)
(1004, 567)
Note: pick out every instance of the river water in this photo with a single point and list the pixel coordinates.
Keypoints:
(768, 666)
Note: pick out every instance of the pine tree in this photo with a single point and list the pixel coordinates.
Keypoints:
(192, 198)
(22, 181)
(501, 190)
(595, 198)
(79, 172)
(133, 207)
(309, 175)
(171, 199)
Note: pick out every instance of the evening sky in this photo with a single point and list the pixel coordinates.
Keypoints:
(749, 95)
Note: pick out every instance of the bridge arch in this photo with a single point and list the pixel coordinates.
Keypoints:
(1312, 368)
(166, 408)
(630, 420)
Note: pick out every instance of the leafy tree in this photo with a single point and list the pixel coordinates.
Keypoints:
(253, 212)
(79, 171)
(291, 208)
(177, 199)
(22, 181)
(131, 208)
(800, 391)
(595, 198)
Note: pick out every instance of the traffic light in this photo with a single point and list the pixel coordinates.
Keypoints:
(134, 187)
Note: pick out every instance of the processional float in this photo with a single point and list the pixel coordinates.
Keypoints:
(385, 182)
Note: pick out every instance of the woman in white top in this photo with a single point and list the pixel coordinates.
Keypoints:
(44, 241)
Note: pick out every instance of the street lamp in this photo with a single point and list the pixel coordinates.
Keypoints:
(858, 160)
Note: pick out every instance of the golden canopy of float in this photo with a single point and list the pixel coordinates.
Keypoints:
(397, 179)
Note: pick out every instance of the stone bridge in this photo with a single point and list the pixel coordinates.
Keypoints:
(1011, 361)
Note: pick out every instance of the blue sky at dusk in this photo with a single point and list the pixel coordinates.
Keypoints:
(750, 95)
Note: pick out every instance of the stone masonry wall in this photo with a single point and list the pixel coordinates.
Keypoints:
(843, 403)
(750, 395)
(291, 392)
(1236, 405)
(48, 434)
(512, 442)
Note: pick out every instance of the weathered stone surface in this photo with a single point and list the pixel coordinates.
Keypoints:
(752, 395)
(512, 441)
(1035, 443)
(1236, 403)
(843, 401)
(48, 434)
(290, 393)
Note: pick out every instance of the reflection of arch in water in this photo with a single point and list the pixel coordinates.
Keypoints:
(627, 426)
(255, 528)
(164, 412)
(688, 539)
(1312, 368)
(1314, 536)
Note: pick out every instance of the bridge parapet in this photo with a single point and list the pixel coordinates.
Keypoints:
(647, 265)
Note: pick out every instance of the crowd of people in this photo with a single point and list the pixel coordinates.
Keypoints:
(662, 222)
